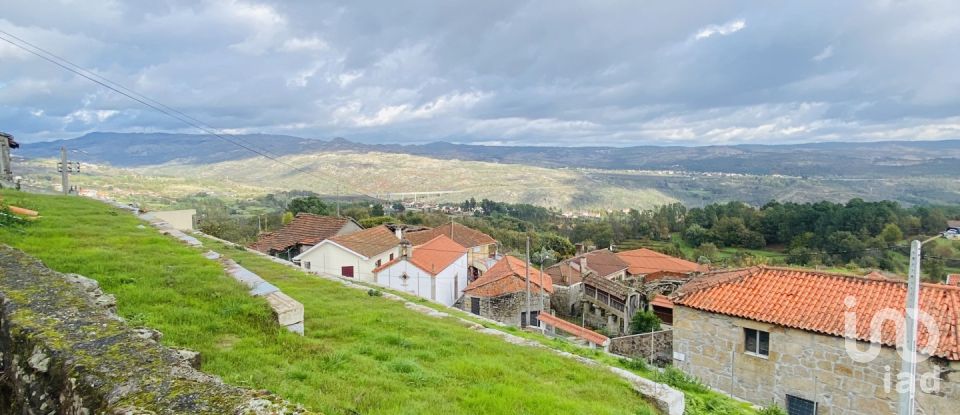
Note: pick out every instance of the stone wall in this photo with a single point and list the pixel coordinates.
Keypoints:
(566, 300)
(506, 308)
(655, 347)
(64, 351)
(804, 364)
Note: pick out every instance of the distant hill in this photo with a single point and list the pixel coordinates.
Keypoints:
(877, 159)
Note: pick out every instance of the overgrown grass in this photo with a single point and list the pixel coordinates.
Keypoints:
(361, 353)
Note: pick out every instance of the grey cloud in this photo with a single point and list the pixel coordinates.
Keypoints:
(517, 72)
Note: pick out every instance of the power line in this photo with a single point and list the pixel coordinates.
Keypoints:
(151, 103)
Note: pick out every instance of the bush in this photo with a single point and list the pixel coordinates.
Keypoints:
(374, 293)
(681, 380)
(772, 409)
(633, 364)
(644, 322)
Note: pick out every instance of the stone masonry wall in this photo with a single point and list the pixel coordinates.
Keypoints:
(566, 300)
(64, 351)
(655, 347)
(506, 308)
(800, 363)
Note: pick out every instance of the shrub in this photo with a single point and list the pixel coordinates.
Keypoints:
(644, 322)
(772, 409)
(681, 380)
(373, 292)
(633, 364)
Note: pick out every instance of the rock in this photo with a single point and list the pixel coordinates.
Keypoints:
(39, 360)
(147, 333)
(190, 357)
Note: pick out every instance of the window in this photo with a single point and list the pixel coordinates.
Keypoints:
(756, 342)
(306, 264)
(346, 271)
(533, 321)
(379, 262)
(800, 406)
(391, 256)
(475, 305)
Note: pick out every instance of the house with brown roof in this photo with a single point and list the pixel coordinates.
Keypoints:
(353, 255)
(647, 265)
(501, 293)
(435, 270)
(482, 252)
(816, 342)
(303, 232)
(568, 276)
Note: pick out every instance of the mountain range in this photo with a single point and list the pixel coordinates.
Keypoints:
(831, 159)
(570, 178)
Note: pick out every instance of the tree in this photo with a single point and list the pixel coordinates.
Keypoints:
(287, 217)
(934, 270)
(695, 235)
(707, 251)
(644, 322)
(309, 204)
(891, 233)
(376, 210)
(398, 207)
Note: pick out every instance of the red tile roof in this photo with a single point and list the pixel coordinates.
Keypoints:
(463, 235)
(661, 301)
(508, 276)
(433, 256)
(816, 301)
(579, 331)
(602, 262)
(645, 261)
(954, 280)
(305, 229)
(368, 242)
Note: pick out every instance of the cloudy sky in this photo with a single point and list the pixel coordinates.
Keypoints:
(495, 72)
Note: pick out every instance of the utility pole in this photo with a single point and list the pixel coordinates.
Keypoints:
(65, 168)
(542, 254)
(907, 404)
(527, 322)
(338, 200)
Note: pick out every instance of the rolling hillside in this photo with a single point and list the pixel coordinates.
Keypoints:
(586, 178)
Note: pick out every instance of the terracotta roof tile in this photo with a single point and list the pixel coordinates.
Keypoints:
(579, 331)
(644, 261)
(508, 276)
(816, 301)
(463, 235)
(433, 256)
(305, 229)
(368, 242)
(602, 262)
(661, 300)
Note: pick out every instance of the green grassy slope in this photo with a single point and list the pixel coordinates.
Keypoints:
(361, 354)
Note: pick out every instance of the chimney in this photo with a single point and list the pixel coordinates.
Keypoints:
(579, 249)
(398, 231)
(406, 249)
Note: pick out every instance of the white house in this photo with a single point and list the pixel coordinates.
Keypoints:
(436, 270)
(353, 255)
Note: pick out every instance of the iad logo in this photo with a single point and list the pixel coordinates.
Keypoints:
(885, 320)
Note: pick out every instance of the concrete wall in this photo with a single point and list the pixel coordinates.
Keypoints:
(507, 308)
(655, 347)
(178, 219)
(329, 258)
(566, 299)
(800, 363)
(64, 351)
(445, 288)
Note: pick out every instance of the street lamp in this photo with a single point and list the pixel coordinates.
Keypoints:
(908, 398)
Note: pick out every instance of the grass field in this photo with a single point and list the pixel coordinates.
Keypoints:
(361, 354)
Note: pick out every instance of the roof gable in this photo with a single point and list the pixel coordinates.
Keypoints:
(432, 257)
(644, 261)
(601, 262)
(508, 276)
(304, 229)
(818, 302)
(463, 235)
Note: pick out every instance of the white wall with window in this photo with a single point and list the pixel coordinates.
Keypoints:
(445, 287)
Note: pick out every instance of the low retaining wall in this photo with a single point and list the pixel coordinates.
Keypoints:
(64, 351)
(655, 347)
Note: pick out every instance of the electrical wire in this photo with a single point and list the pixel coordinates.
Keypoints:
(155, 105)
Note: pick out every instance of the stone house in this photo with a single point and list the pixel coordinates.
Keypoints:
(500, 293)
(482, 249)
(567, 276)
(436, 270)
(302, 233)
(353, 255)
(609, 304)
(798, 338)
